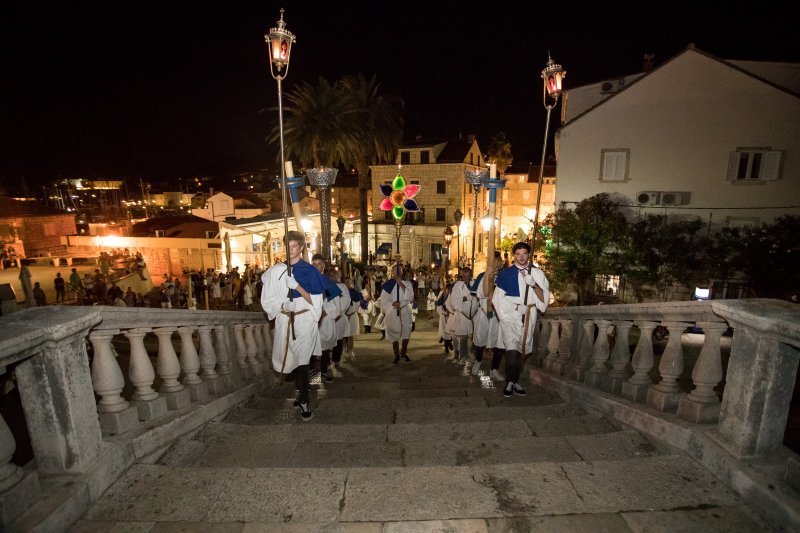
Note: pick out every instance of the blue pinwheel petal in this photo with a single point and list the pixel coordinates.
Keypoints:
(386, 190)
(411, 205)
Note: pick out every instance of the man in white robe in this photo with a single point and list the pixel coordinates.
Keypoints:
(294, 301)
(395, 302)
(464, 304)
(521, 290)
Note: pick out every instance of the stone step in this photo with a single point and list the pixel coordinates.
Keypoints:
(366, 446)
(514, 494)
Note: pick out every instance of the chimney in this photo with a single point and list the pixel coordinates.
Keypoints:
(470, 138)
(649, 61)
(211, 191)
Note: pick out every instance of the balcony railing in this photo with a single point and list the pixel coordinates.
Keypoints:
(89, 417)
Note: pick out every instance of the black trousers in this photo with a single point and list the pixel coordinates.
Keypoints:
(497, 357)
(513, 362)
(301, 382)
(337, 351)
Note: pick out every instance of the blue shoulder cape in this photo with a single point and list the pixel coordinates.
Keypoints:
(441, 299)
(508, 280)
(389, 285)
(477, 281)
(332, 290)
(309, 278)
(355, 296)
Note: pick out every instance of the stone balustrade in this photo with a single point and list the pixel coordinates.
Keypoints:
(747, 406)
(63, 358)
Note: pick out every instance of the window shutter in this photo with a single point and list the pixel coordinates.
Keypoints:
(614, 166)
(771, 165)
(733, 165)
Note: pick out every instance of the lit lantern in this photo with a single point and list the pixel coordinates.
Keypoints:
(553, 74)
(280, 45)
(399, 197)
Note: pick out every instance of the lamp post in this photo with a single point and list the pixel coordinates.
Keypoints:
(552, 76)
(475, 178)
(340, 223)
(280, 42)
(448, 238)
(457, 214)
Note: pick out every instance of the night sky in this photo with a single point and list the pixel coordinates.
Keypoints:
(161, 89)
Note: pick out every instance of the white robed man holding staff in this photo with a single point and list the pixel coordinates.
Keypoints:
(395, 301)
(521, 291)
(293, 298)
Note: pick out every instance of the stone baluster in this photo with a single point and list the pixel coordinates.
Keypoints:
(541, 339)
(190, 364)
(115, 414)
(148, 402)
(551, 348)
(620, 357)
(635, 389)
(169, 370)
(600, 353)
(664, 395)
(258, 337)
(585, 347)
(241, 351)
(208, 360)
(268, 340)
(561, 364)
(702, 405)
(223, 357)
(252, 350)
(18, 489)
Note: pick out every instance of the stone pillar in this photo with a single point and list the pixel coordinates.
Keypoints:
(190, 364)
(208, 360)
(565, 340)
(266, 362)
(251, 350)
(140, 371)
(59, 404)
(169, 369)
(620, 357)
(600, 353)
(223, 357)
(759, 383)
(241, 352)
(18, 489)
(702, 404)
(635, 389)
(585, 346)
(115, 414)
(664, 395)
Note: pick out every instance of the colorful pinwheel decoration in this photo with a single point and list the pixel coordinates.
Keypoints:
(399, 197)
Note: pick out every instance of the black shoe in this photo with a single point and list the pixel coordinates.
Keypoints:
(518, 390)
(508, 391)
(441, 340)
(305, 412)
(326, 376)
(383, 337)
(396, 360)
(313, 372)
(405, 358)
(296, 402)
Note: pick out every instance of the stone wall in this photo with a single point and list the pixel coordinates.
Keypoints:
(41, 234)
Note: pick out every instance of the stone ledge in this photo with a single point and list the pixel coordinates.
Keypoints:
(699, 441)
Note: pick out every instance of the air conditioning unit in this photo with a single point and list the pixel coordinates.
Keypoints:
(211, 235)
(674, 198)
(159, 233)
(648, 198)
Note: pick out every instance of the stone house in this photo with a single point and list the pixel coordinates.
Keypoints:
(34, 229)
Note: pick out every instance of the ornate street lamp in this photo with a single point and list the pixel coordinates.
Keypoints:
(552, 77)
(476, 179)
(322, 178)
(280, 42)
(340, 222)
(457, 214)
(448, 238)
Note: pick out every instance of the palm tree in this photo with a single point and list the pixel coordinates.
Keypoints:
(377, 123)
(500, 152)
(316, 127)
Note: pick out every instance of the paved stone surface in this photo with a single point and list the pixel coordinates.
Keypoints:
(418, 447)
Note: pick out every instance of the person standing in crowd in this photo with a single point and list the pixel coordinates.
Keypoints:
(521, 290)
(351, 317)
(75, 282)
(38, 295)
(88, 286)
(365, 309)
(422, 283)
(130, 297)
(395, 301)
(464, 305)
(60, 286)
(114, 292)
(294, 300)
(430, 304)
(484, 333)
(216, 292)
(380, 317)
(444, 315)
(331, 310)
(342, 323)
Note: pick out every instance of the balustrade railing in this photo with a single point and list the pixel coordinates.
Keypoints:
(80, 398)
(729, 363)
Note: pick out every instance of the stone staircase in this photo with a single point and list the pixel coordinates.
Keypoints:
(420, 446)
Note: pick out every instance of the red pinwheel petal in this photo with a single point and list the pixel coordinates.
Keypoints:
(412, 190)
(386, 204)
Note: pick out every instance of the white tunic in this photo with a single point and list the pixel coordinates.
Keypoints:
(352, 318)
(343, 321)
(327, 325)
(397, 327)
(465, 306)
(306, 332)
(512, 309)
(480, 324)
